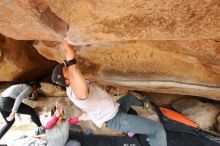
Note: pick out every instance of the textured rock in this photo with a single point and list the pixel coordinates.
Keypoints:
(164, 100)
(100, 21)
(50, 50)
(30, 20)
(176, 67)
(155, 46)
(202, 113)
(21, 62)
(50, 90)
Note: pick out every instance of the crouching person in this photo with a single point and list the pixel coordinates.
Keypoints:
(58, 127)
(11, 104)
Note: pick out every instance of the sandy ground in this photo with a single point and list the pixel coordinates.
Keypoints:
(21, 128)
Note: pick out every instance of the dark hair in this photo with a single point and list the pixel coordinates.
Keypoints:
(52, 111)
(35, 84)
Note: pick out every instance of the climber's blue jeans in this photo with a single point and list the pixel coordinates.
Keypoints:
(126, 122)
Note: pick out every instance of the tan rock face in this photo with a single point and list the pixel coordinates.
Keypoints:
(177, 67)
(30, 20)
(169, 47)
(50, 90)
(157, 66)
(21, 62)
(98, 21)
(50, 50)
(101, 21)
(154, 59)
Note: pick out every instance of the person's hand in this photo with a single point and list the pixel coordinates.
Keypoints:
(68, 50)
(84, 117)
(11, 116)
(59, 109)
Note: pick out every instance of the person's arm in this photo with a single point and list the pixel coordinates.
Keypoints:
(18, 101)
(75, 120)
(52, 122)
(77, 81)
(27, 90)
(56, 116)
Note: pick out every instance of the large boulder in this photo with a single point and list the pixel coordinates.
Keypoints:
(168, 47)
(50, 50)
(203, 113)
(30, 20)
(101, 21)
(51, 90)
(21, 62)
(176, 67)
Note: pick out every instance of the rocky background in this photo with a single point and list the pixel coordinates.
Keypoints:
(168, 49)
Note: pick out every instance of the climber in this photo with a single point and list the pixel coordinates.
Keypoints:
(11, 103)
(99, 104)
